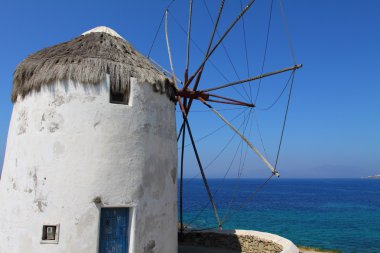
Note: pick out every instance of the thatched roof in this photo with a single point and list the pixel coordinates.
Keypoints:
(87, 59)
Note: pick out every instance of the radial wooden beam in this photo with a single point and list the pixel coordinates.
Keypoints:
(188, 40)
(203, 174)
(181, 181)
(266, 162)
(229, 103)
(168, 47)
(222, 38)
(237, 102)
(208, 48)
(200, 166)
(180, 106)
(180, 130)
(295, 67)
(206, 96)
(204, 62)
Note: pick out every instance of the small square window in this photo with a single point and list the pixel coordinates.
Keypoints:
(118, 98)
(50, 234)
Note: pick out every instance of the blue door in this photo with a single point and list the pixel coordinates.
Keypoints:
(114, 230)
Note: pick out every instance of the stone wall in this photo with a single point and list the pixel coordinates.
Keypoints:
(238, 242)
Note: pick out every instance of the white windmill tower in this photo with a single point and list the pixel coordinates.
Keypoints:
(91, 158)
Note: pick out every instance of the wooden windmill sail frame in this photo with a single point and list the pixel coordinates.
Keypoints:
(186, 95)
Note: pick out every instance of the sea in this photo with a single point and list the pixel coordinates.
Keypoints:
(334, 214)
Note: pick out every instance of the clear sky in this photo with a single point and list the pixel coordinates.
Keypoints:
(333, 127)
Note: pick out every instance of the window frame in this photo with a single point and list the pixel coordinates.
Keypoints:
(44, 232)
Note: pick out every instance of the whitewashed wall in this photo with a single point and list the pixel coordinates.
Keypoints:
(68, 145)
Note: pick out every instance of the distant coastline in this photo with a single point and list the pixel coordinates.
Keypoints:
(373, 177)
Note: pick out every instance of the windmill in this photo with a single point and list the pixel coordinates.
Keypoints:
(100, 118)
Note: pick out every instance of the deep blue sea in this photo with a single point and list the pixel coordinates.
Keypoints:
(340, 214)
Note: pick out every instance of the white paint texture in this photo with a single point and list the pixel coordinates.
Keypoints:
(103, 29)
(67, 145)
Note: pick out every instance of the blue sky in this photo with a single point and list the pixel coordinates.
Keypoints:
(333, 123)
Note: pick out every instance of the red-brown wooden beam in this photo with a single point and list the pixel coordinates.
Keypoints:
(227, 102)
(206, 96)
(293, 68)
(232, 100)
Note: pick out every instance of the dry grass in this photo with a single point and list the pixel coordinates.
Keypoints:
(87, 59)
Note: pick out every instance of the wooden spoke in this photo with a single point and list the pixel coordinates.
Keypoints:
(237, 102)
(188, 41)
(208, 48)
(206, 96)
(203, 174)
(221, 39)
(168, 46)
(180, 130)
(229, 103)
(254, 78)
(181, 179)
(207, 52)
(266, 162)
(200, 165)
